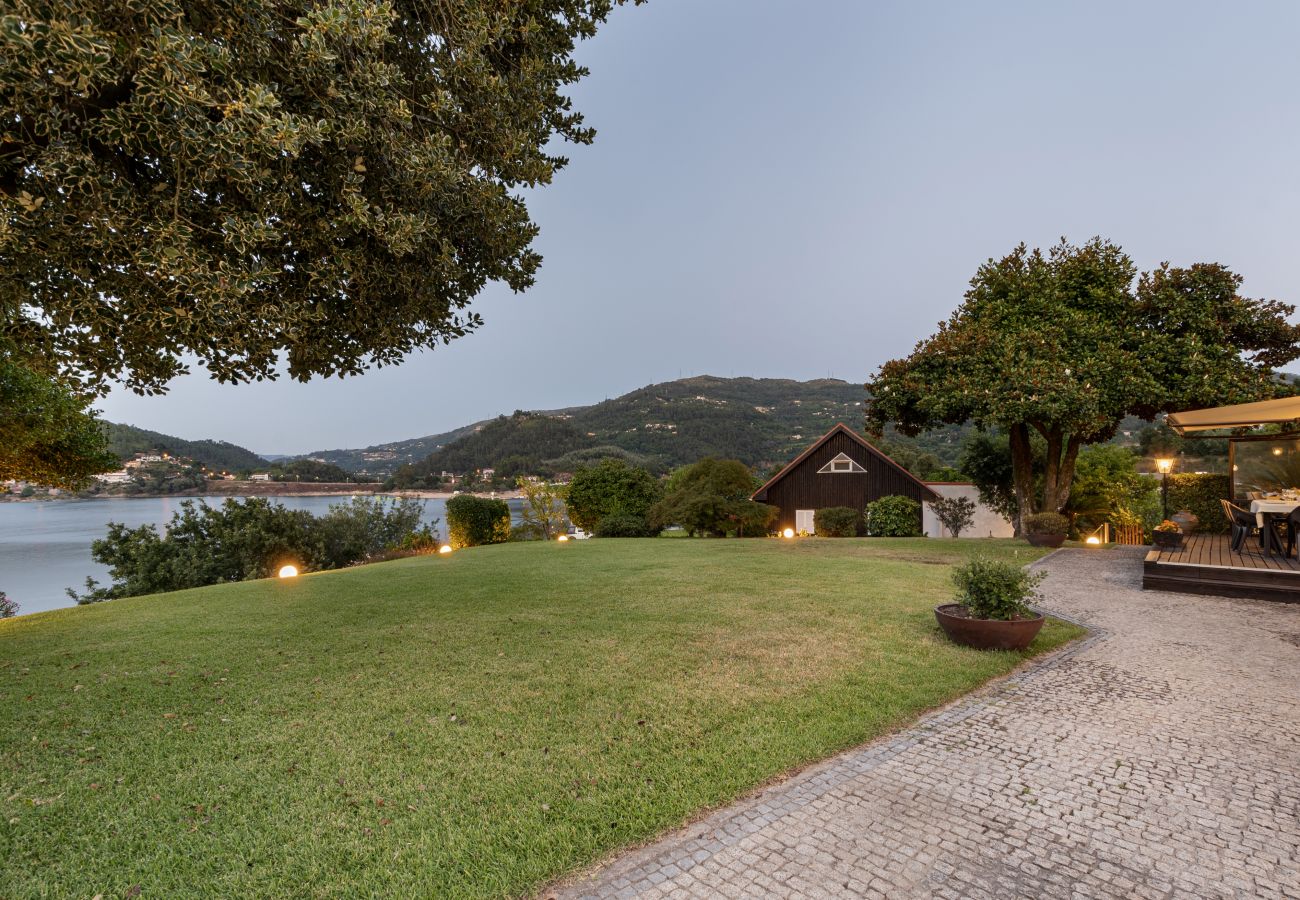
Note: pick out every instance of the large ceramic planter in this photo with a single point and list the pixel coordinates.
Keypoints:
(1167, 540)
(1046, 540)
(986, 634)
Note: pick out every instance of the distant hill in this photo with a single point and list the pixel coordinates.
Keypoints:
(761, 421)
(383, 459)
(126, 440)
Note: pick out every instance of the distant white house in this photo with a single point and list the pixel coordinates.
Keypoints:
(260, 476)
(987, 522)
(119, 477)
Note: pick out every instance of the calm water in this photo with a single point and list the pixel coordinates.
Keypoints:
(45, 545)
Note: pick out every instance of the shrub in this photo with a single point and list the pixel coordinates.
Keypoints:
(711, 497)
(610, 487)
(894, 516)
(837, 521)
(954, 513)
(623, 525)
(472, 521)
(1046, 523)
(8, 608)
(364, 528)
(993, 589)
(1200, 494)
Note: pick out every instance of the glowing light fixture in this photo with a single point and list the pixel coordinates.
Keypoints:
(1164, 466)
(1093, 541)
(788, 533)
(1277, 451)
(445, 548)
(288, 571)
(563, 537)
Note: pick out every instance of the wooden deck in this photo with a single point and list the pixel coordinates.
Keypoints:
(1205, 564)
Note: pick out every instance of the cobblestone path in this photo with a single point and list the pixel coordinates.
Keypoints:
(1160, 757)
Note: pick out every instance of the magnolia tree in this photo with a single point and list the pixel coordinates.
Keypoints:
(1065, 343)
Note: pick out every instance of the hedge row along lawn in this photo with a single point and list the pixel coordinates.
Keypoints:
(468, 725)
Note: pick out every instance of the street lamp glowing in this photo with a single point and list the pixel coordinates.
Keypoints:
(788, 533)
(445, 548)
(288, 571)
(1164, 466)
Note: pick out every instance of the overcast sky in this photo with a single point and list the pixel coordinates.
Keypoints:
(797, 190)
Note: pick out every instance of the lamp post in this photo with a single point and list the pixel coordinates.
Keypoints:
(1164, 466)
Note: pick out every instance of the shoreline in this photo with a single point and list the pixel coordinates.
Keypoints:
(417, 495)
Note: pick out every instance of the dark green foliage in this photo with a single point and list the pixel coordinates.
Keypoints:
(125, 441)
(48, 434)
(711, 497)
(623, 525)
(310, 470)
(543, 513)
(1200, 494)
(472, 521)
(364, 528)
(611, 487)
(576, 459)
(326, 186)
(894, 516)
(837, 521)
(1108, 488)
(986, 461)
(252, 538)
(1046, 523)
(995, 589)
(955, 513)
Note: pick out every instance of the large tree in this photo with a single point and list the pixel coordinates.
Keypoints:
(264, 182)
(1064, 344)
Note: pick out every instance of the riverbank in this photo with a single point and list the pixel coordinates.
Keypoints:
(224, 489)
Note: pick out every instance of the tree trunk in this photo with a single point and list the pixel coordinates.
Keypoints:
(1022, 473)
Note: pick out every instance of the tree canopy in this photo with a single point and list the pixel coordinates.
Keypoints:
(712, 497)
(1064, 344)
(610, 488)
(323, 186)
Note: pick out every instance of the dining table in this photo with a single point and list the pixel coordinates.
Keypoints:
(1266, 509)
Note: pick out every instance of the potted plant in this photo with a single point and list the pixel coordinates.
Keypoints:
(1046, 529)
(991, 610)
(1167, 534)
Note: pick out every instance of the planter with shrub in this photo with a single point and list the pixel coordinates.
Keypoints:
(991, 610)
(1168, 534)
(1046, 529)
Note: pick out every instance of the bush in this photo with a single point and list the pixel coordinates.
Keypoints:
(365, 528)
(711, 497)
(622, 525)
(954, 513)
(611, 487)
(1046, 523)
(894, 516)
(8, 608)
(992, 589)
(837, 521)
(472, 521)
(1200, 494)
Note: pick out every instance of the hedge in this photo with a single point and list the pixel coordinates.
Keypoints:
(1200, 494)
(623, 525)
(837, 521)
(477, 520)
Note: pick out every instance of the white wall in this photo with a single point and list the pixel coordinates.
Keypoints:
(986, 523)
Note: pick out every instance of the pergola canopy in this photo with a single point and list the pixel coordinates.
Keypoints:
(1242, 415)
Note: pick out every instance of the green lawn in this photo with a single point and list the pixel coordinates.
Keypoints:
(467, 725)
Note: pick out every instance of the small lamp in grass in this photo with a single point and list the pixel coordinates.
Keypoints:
(445, 549)
(289, 571)
(788, 533)
(1164, 466)
(563, 538)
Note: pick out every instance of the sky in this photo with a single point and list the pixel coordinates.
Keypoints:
(802, 190)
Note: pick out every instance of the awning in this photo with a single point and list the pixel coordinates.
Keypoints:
(1243, 415)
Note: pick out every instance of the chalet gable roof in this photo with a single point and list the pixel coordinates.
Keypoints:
(841, 428)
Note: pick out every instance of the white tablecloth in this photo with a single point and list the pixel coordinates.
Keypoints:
(1282, 507)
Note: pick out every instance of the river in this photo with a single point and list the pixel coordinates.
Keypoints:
(45, 544)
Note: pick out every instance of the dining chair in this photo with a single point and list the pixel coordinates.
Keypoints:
(1292, 530)
(1243, 524)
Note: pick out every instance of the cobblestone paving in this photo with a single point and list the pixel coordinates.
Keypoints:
(1158, 758)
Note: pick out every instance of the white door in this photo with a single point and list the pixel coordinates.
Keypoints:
(803, 520)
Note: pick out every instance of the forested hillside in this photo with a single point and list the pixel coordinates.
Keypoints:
(126, 440)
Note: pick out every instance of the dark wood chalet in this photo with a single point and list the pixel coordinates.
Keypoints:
(841, 468)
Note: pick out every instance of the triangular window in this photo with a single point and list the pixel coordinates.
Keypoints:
(840, 465)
